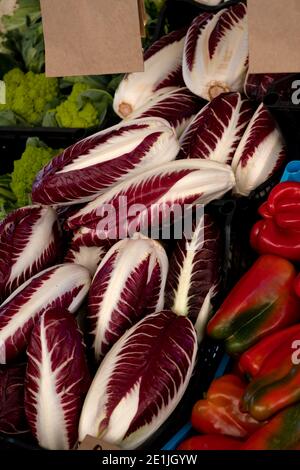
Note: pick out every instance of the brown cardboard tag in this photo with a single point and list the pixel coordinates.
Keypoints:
(92, 443)
(274, 36)
(91, 37)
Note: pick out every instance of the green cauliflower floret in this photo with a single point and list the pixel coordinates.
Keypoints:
(29, 95)
(71, 114)
(34, 158)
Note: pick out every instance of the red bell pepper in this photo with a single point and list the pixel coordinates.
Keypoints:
(262, 302)
(210, 442)
(279, 231)
(281, 433)
(220, 412)
(277, 380)
(268, 354)
(273, 392)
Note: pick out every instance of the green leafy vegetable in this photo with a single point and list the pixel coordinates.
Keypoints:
(29, 95)
(24, 39)
(27, 11)
(85, 107)
(36, 156)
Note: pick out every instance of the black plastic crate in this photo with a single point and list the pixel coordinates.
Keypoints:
(180, 13)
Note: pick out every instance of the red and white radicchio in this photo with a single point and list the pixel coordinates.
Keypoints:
(215, 58)
(12, 413)
(217, 129)
(57, 379)
(162, 72)
(177, 106)
(261, 152)
(153, 197)
(128, 285)
(29, 243)
(100, 161)
(62, 286)
(195, 273)
(140, 381)
(87, 256)
(89, 237)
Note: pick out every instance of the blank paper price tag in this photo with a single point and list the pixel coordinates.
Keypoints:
(92, 37)
(274, 36)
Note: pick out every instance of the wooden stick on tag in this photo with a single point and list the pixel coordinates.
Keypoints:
(143, 17)
(92, 443)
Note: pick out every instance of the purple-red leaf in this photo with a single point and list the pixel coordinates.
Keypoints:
(93, 165)
(195, 273)
(29, 243)
(217, 129)
(154, 197)
(62, 286)
(178, 107)
(140, 381)
(129, 284)
(162, 71)
(87, 256)
(57, 379)
(215, 58)
(261, 152)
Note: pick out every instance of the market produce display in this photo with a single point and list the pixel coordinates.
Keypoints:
(99, 323)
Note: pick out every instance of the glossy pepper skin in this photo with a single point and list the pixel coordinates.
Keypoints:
(273, 392)
(281, 433)
(210, 442)
(220, 412)
(262, 302)
(277, 383)
(279, 231)
(269, 354)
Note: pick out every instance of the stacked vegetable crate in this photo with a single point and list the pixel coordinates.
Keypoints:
(232, 215)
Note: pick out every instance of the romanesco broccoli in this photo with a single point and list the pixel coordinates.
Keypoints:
(29, 94)
(35, 157)
(71, 114)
